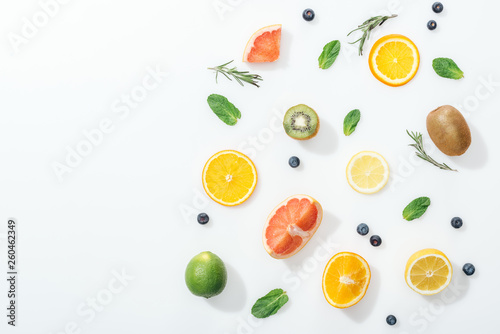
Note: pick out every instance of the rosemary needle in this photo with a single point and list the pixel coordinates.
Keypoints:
(239, 76)
(367, 27)
(419, 146)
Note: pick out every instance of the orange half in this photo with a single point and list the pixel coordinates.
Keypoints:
(345, 279)
(394, 60)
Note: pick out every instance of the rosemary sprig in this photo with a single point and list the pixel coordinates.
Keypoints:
(240, 76)
(367, 27)
(419, 146)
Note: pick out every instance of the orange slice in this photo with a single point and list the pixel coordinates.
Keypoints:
(291, 225)
(229, 177)
(345, 279)
(264, 45)
(394, 60)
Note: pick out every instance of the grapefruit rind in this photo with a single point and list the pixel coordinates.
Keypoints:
(306, 235)
(258, 33)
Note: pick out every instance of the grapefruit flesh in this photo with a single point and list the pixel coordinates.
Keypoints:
(291, 225)
(264, 45)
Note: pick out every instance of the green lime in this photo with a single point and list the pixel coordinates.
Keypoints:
(206, 275)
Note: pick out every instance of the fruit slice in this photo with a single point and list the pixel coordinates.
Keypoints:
(428, 271)
(290, 226)
(394, 60)
(264, 45)
(229, 177)
(367, 172)
(345, 279)
(301, 122)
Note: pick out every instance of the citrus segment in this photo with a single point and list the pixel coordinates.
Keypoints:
(290, 226)
(229, 177)
(264, 45)
(367, 172)
(345, 279)
(394, 60)
(428, 271)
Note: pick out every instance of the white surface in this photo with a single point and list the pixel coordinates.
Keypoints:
(121, 207)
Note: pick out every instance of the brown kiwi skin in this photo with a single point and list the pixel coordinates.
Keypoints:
(448, 130)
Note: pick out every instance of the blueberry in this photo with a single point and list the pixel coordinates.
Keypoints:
(457, 222)
(203, 218)
(375, 240)
(469, 269)
(437, 7)
(431, 25)
(308, 14)
(363, 229)
(294, 162)
(391, 320)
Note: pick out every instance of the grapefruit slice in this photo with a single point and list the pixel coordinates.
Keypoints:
(264, 45)
(290, 226)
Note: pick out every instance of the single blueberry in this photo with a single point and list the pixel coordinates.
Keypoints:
(391, 320)
(375, 240)
(308, 14)
(469, 269)
(457, 222)
(363, 229)
(203, 218)
(294, 162)
(437, 7)
(431, 25)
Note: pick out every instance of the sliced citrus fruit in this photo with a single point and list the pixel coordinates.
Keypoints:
(229, 177)
(394, 60)
(367, 172)
(290, 226)
(264, 45)
(428, 271)
(345, 279)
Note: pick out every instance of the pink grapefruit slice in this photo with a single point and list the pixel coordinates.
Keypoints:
(291, 225)
(264, 45)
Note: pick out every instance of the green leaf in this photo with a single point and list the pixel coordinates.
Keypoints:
(224, 109)
(447, 68)
(329, 54)
(269, 304)
(416, 208)
(351, 121)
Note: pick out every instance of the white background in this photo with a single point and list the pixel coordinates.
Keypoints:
(131, 203)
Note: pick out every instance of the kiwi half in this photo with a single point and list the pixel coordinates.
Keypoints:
(301, 122)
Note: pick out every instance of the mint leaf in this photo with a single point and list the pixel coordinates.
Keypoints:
(351, 121)
(447, 68)
(329, 54)
(224, 109)
(269, 304)
(416, 208)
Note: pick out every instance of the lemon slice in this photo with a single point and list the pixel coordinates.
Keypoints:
(428, 271)
(229, 177)
(394, 60)
(367, 172)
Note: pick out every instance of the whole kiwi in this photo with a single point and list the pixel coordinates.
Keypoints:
(449, 130)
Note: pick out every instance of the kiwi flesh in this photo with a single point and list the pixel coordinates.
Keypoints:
(448, 130)
(301, 122)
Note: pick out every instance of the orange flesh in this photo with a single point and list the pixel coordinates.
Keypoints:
(266, 47)
(283, 234)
